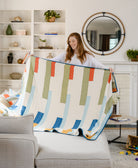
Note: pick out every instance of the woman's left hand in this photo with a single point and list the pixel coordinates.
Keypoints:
(111, 70)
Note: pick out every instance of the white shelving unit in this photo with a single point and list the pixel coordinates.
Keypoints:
(55, 31)
(36, 28)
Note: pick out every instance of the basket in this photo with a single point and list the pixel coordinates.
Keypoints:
(15, 75)
(132, 142)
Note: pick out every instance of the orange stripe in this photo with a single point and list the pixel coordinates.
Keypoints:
(114, 90)
(66, 131)
(71, 72)
(24, 58)
(6, 95)
(53, 69)
(10, 102)
(91, 76)
(25, 70)
(36, 65)
(109, 79)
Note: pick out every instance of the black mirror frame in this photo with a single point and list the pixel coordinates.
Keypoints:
(103, 14)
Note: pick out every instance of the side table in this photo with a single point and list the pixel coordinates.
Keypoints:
(120, 123)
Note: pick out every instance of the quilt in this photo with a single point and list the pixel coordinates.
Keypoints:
(65, 98)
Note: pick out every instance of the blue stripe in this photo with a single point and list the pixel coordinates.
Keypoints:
(85, 110)
(92, 124)
(76, 125)
(38, 117)
(57, 123)
(70, 64)
(46, 109)
(13, 107)
(103, 124)
(23, 110)
(30, 100)
(103, 107)
(65, 111)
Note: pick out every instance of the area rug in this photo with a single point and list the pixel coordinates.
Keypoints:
(121, 160)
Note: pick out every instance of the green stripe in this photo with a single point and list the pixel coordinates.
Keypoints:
(65, 84)
(84, 88)
(108, 105)
(105, 80)
(31, 75)
(47, 79)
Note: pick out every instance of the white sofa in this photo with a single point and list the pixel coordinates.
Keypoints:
(49, 150)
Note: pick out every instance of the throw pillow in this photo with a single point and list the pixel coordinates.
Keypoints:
(17, 125)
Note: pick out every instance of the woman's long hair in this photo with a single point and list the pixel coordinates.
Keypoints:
(81, 51)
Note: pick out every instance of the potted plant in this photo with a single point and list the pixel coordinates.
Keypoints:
(51, 15)
(132, 54)
(42, 43)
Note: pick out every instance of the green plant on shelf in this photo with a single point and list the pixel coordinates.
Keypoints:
(43, 40)
(51, 15)
(132, 54)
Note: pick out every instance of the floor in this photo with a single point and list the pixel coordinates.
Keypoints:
(121, 160)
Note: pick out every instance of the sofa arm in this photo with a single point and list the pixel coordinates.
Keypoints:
(17, 150)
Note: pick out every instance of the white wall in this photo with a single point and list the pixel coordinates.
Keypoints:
(77, 11)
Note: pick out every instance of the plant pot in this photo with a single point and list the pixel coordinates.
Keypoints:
(52, 19)
(42, 44)
(134, 59)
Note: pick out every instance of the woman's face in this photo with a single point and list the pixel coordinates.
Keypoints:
(73, 42)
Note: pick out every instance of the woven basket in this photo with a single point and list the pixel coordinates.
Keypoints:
(15, 75)
(131, 142)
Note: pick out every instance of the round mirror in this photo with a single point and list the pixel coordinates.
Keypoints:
(103, 33)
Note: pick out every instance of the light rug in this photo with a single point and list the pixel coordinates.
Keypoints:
(121, 160)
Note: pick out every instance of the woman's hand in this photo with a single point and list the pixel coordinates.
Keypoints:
(111, 70)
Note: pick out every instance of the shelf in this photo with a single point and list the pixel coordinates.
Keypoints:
(49, 23)
(50, 35)
(15, 23)
(12, 64)
(35, 25)
(15, 36)
(24, 50)
(48, 50)
(10, 80)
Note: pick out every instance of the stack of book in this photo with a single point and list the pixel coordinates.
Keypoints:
(119, 118)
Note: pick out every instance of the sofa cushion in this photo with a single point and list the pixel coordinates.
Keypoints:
(17, 125)
(62, 151)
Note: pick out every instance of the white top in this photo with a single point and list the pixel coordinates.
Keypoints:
(89, 62)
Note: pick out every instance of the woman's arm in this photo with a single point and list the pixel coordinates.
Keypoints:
(95, 63)
(60, 58)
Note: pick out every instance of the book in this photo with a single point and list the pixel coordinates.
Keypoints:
(51, 34)
(119, 119)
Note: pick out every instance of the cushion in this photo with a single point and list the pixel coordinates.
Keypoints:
(17, 125)
(62, 151)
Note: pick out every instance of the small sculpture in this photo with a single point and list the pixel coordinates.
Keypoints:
(18, 19)
(10, 58)
(9, 30)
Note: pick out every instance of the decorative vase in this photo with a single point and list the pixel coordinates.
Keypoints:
(9, 30)
(10, 58)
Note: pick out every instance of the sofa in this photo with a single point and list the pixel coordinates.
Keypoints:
(21, 147)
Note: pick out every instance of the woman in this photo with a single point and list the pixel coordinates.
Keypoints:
(76, 54)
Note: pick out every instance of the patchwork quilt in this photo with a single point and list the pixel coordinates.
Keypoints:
(66, 98)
